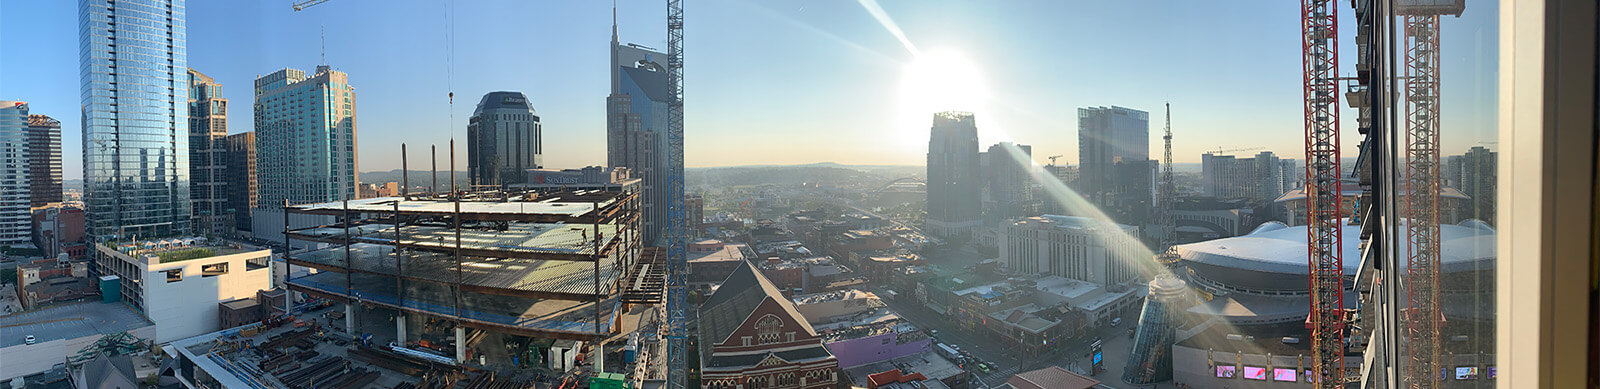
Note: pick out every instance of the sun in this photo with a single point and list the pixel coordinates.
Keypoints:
(938, 81)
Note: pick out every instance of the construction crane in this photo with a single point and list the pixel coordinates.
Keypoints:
(1165, 225)
(1221, 150)
(1319, 62)
(677, 226)
(1421, 205)
(1053, 159)
(301, 6)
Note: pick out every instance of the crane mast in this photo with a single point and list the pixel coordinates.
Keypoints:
(1164, 219)
(1422, 183)
(1319, 61)
(677, 227)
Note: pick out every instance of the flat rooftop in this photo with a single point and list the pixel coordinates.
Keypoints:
(69, 321)
(928, 363)
(522, 240)
(1268, 339)
(554, 206)
(536, 277)
(179, 250)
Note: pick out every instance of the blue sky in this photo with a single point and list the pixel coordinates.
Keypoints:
(771, 82)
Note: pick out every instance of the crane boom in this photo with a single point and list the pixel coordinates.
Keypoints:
(677, 226)
(1319, 62)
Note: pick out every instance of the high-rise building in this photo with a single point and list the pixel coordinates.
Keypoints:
(135, 118)
(208, 133)
(1478, 174)
(44, 159)
(16, 221)
(1113, 156)
(1008, 183)
(241, 177)
(1260, 178)
(1079, 248)
(953, 180)
(503, 140)
(636, 126)
(305, 144)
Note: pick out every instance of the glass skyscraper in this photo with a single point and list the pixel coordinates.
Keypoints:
(135, 118)
(16, 192)
(305, 144)
(954, 184)
(636, 126)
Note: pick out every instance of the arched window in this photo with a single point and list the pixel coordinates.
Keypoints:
(768, 329)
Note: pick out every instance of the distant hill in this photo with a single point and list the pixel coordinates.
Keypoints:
(418, 177)
(826, 172)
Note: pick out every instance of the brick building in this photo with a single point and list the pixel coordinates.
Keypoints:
(752, 337)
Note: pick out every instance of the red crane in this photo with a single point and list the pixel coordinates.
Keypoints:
(1319, 60)
(1422, 180)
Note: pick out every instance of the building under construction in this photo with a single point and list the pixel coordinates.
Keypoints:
(496, 277)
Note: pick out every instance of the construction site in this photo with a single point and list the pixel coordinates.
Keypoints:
(525, 283)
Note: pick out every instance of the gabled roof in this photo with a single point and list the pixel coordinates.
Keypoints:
(732, 303)
(107, 369)
(1053, 377)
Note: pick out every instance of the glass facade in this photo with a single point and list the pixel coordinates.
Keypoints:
(15, 188)
(135, 118)
(305, 137)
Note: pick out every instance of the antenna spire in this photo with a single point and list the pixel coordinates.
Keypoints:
(324, 45)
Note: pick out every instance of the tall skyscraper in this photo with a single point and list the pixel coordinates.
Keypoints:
(1115, 171)
(954, 183)
(1008, 183)
(636, 127)
(135, 118)
(305, 144)
(44, 159)
(503, 140)
(241, 177)
(208, 133)
(16, 221)
(1478, 175)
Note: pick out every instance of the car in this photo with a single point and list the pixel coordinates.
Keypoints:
(1116, 322)
(984, 368)
(30, 340)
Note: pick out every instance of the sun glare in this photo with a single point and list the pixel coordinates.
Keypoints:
(937, 81)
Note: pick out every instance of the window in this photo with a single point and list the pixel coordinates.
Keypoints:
(213, 270)
(174, 275)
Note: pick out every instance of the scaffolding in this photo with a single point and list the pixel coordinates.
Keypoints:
(547, 264)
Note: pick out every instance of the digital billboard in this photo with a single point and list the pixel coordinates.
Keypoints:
(1226, 371)
(1467, 373)
(1284, 375)
(1490, 372)
(1255, 373)
(1098, 355)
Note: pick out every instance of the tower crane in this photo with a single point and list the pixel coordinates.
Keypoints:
(1319, 63)
(1221, 150)
(1053, 159)
(301, 6)
(1421, 204)
(677, 226)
